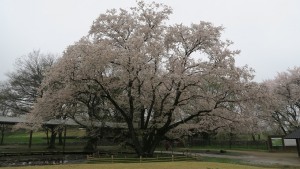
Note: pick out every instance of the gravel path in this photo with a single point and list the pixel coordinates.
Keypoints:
(253, 157)
(270, 158)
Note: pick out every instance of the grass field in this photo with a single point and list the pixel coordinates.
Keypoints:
(164, 165)
(39, 137)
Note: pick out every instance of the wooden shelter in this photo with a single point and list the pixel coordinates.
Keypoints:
(295, 135)
(6, 120)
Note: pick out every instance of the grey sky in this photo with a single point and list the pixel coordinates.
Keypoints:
(266, 31)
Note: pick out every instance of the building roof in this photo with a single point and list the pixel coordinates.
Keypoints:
(293, 135)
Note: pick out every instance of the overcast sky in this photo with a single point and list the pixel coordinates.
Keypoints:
(266, 31)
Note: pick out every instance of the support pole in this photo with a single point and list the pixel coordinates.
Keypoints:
(270, 146)
(30, 139)
(298, 146)
(65, 135)
(47, 135)
(2, 133)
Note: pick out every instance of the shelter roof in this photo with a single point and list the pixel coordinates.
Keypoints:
(68, 122)
(293, 135)
(12, 120)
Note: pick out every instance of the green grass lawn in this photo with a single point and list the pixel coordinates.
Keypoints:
(22, 137)
(164, 165)
(17, 141)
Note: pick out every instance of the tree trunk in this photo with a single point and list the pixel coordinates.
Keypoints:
(230, 140)
(253, 137)
(52, 138)
(147, 146)
(91, 144)
(150, 147)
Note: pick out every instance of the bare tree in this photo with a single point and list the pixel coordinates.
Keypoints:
(21, 90)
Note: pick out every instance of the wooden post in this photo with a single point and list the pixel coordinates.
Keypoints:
(30, 139)
(140, 159)
(65, 135)
(282, 142)
(2, 133)
(270, 143)
(47, 135)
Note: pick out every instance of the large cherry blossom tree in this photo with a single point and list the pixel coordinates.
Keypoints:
(151, 76)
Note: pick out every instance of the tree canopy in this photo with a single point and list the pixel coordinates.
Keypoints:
(151, 76)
